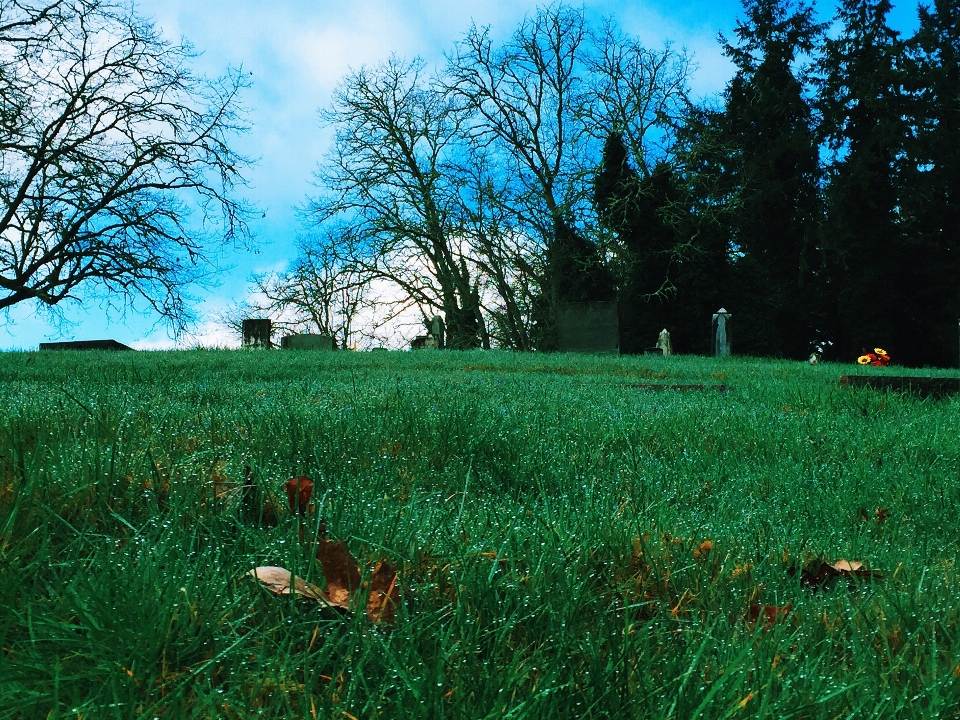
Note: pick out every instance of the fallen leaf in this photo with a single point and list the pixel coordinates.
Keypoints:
(702, 550)
(769, 613)
(384, 594)
(817, 574)
(846, 566)
(340, 571)
(299, 491)
(278, 581)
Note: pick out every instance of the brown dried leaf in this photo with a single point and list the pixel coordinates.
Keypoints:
(299, 490)
(769, 613)
(815, 575)
(702, 550)
(384, 594)
(278, 581)
(340, 571)
(847, 566)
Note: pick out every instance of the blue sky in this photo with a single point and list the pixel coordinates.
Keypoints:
(297, 50)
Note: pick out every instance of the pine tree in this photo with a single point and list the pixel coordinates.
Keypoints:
(863, 107)
(931, 192)
(636, 209)
(772, 171)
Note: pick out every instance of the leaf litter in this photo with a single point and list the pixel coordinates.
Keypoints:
(341, 571)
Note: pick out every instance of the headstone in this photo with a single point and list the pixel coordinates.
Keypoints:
(306, 341)
(720, 330)
(434, 339)
(438, 331)
(590, 327)
(256, 333)
(85, 345)
(663, 342)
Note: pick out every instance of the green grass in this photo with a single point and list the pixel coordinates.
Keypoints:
(543, 516)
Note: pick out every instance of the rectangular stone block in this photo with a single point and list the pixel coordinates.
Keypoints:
(588, 327)
(922, 386)
(306, 341)
(85, 345)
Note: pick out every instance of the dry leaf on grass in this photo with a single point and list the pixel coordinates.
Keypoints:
(384, 594)
(816, 574)
(340, 571)
(278, 581)
(342, 574)
(769, 613)
(702, 550)
(299, 490)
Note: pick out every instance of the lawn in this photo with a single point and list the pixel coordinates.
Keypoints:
(568, 543)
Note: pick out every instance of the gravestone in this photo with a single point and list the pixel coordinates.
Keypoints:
(307, 341)
(256, 333)
(663, 342)
(720, 333)
(590, 327)
(434, 339)
(85, 345)
(438, 330)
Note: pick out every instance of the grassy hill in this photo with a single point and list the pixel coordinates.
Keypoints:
(569, 542)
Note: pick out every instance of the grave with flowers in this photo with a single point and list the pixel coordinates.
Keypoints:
(918, 385)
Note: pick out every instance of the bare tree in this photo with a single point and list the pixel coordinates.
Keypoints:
(529, 96)
(115, 168)
(640, 93)
(456, 188)
(388, 181)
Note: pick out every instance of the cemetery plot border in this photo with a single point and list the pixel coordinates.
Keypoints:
(922, 386)
(676, 386)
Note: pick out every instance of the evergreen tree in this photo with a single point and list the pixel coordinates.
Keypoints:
(931, 193)
(704, 218)
(772, 171)
(636, 209)
(863, 109)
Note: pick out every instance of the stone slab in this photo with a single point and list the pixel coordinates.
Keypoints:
(257, 332)
(922, 386)
(307, 341)
(588, 327)
(85, 345)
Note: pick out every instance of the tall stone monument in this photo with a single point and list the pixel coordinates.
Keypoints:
(663, 342)
(438, 331)
(720, 332)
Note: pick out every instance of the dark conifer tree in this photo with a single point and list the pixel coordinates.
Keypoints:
(703, 217)
(862, 102)
(637, 209)
(930, 199)
(773, 177)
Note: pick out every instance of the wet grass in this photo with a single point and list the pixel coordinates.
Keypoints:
(548, 519)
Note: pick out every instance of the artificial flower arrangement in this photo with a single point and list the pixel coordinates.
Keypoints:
(877, 358)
